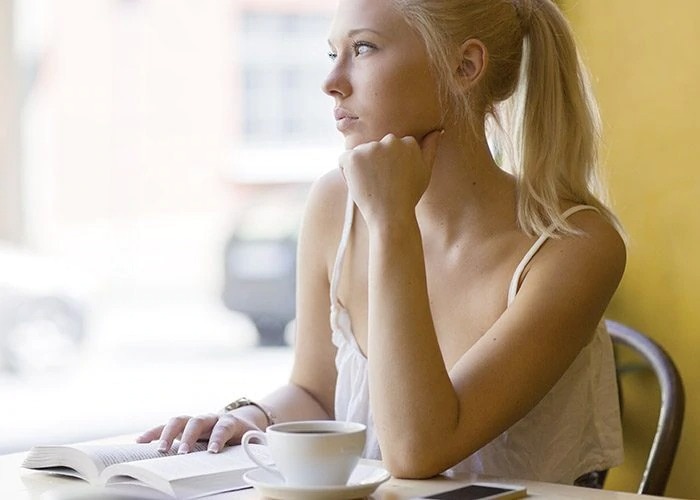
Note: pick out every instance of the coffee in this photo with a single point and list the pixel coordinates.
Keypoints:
(311, 431)
(310, 453)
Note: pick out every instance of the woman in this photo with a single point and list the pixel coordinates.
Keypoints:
(465, 299)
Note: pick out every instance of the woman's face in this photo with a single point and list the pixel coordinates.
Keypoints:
(381, 79)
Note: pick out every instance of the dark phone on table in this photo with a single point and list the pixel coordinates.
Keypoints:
(480, 492)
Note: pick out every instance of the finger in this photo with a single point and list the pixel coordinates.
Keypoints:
(410, 141)
(226, 430)
(172, 430)
(150, 435)
(196, 428)
(429, 146)
(389, 138)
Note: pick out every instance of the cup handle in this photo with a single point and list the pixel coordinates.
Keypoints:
(245, 442)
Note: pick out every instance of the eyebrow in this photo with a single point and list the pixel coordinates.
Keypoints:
(362, 30)
(357, 31)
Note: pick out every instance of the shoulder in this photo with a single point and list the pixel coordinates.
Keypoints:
(572, 279)
(325, 204)
(599, 239)
(324, 213)
(597, 254)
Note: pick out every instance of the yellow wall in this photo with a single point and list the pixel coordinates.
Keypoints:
(644, 56)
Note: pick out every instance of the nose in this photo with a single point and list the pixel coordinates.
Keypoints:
(337, 83)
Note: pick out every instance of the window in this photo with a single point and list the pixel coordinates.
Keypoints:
(286, 126)
(125, 117)
(283, 64)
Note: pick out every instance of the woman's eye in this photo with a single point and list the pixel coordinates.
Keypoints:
(358, 48)
(361, 48)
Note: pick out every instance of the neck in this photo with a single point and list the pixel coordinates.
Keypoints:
(467, 191)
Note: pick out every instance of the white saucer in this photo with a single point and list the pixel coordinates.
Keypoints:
(363, 481)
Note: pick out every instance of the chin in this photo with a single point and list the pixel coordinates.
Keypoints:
(354, 138)
(352, 141)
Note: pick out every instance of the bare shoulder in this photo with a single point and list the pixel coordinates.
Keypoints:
(327, 196)
(572, 279)
(600, 240)
(325, 206)
(324, 212)
(597, 254)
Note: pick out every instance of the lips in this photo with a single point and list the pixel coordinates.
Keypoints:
(343, 119)
(340, 114)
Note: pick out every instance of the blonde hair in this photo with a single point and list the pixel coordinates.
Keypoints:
(534, 100)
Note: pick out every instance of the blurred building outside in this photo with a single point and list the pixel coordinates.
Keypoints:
(142, 130)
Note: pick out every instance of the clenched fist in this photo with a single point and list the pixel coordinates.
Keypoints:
(387, 178)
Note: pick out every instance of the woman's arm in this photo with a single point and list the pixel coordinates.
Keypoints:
(428, 419)
(314, 359)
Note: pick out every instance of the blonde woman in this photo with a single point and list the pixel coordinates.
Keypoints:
(451, 289)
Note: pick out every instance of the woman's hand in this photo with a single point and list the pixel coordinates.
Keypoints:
(388, 178)
(218, 429)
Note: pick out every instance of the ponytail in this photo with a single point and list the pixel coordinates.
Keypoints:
(535, 100)
(553, 122)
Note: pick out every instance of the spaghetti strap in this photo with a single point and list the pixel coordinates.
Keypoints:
(340, 254)
(513, 288)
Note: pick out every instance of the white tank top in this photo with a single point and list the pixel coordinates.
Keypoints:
(573, 430)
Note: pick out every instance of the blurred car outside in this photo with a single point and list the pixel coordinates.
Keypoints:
(260, 261)
(43, 312)
(260, 253)
(285, 139)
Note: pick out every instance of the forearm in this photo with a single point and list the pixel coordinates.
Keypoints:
(291, 402)
(413, 401)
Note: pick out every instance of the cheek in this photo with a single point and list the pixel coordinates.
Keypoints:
(410, 101)
(394, 95)
(414, 94)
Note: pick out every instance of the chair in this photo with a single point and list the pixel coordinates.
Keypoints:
(668, 431)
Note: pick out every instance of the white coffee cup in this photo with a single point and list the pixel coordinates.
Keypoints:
(312, 452)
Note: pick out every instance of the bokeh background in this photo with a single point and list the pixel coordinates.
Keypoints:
(138, 137)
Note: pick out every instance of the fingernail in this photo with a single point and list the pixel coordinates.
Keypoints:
(163, 445)
(184, 448)
(213, 447)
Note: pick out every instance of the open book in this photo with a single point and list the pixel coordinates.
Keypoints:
(141, 467)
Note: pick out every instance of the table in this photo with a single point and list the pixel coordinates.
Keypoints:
(19, 484)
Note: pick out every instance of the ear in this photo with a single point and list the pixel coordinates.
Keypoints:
(473, 59)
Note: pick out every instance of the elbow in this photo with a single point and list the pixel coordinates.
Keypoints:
(423, 449)
(413, 462)
(411, 468)
(408, 472)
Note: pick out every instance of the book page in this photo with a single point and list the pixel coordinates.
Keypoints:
(62, 460)
(190, 465)
(186, 476)
(106, 455)
(86, 461)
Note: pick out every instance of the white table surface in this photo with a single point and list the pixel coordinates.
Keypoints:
(21, 484)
